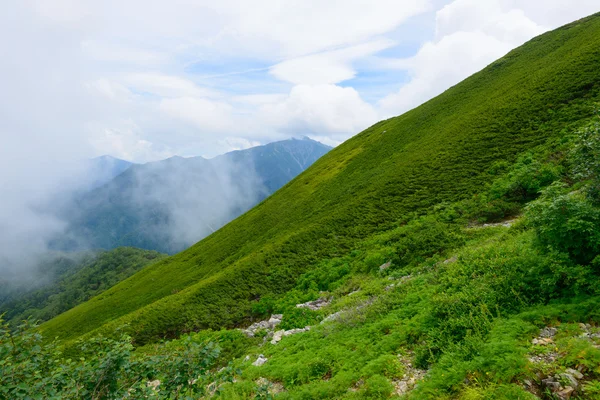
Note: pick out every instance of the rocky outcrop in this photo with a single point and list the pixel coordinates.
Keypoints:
(272, 388)
(277, 336)
(563, 384)
(411, 377)
(315, 304)
(267, 325)
(385, 266)
(260, 360)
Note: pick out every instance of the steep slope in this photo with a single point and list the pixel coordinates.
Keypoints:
(436, 153)
(71, 279)
(169, 205)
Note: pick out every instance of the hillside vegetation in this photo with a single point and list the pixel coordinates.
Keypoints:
(76, 278)
(440, 152)
(449, 253)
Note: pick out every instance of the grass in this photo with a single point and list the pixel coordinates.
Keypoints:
(439, 153)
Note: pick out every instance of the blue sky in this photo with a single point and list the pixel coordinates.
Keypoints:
(146, 79)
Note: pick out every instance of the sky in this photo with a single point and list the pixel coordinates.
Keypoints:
(144, 80)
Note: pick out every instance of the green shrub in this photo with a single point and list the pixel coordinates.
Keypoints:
(585, 158)
(524, 180)
(106, 369)
(387, 365)
(377, 387)
(568, 222)
(298, 318)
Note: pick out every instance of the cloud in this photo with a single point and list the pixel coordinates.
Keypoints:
(314, 109)
(470, 34)
(327, 67)
(163, 85)
(204, 114)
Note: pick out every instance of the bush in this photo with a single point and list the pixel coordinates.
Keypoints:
(585, 157)
(107, 368)
(525, 180)
(567, 222)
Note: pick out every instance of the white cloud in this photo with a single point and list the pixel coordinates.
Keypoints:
(238, 143)
(110, 52)
(109, 89)
(315, 109)
(327, 67)
(166, 85)
(127, 143)
(470, 34)
(208, 116)
(295, 28)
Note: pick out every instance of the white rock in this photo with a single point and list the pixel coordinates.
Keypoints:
(260, 360)
(153, 384)
(277, 336)
(315, 304)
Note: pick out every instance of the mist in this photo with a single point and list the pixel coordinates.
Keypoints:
(166, 205)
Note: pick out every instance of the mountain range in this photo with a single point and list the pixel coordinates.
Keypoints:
(169, 205)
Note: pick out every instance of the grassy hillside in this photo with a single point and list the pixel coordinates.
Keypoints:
(460, 310)
(440, 152)
(87, 275)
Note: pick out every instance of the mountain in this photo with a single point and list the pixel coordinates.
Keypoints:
(103, 169)
(279, 162)
(450, 252)
(168, 205)
(65, 280)
(439, 152)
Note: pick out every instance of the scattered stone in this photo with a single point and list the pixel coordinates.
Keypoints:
(385, 266)
(267, 325)
(548, 332)
(390, 287)
(332, 317)
(354, 292)
(277, 336)
(575, 373)
(337, 315)
(315, 304)
(153, 384)
(272, 387)
(551, 383)
(571, 379)
(450, 260)
(506, 224)
(566, 393)
(247, 358)
(260, 360)
(546, 358)
(296, 330)
(543, 341)
(410, 378)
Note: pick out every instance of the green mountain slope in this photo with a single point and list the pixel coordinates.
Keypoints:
(439, 152)
(71, 279)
